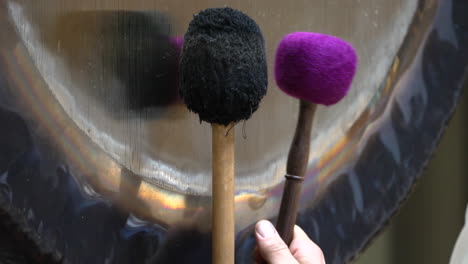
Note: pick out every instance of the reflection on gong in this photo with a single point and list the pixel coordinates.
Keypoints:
(100, 156)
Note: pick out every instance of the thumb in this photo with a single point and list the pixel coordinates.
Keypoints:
(270, 245)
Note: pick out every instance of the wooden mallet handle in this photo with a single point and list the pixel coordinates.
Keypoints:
(298, 159)
(223, 195)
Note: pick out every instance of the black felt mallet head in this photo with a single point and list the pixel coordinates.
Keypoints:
(223, 78)
(223, 66)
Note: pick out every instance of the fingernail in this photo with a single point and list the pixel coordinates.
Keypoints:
(265, 229)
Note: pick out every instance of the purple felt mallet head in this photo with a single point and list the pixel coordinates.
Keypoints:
(315, 67)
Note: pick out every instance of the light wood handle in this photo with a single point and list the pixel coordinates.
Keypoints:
(223, 195)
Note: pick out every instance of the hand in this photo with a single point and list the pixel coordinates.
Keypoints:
(274, 251)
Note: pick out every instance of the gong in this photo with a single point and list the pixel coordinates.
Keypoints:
(100, 161)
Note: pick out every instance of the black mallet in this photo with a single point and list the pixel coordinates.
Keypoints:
(223, 78)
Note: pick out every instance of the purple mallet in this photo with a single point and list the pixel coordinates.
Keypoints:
(317, 69)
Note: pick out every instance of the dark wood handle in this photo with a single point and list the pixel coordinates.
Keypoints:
(289, 206)
(298, 159)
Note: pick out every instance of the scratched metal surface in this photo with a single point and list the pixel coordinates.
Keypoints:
(103, 174)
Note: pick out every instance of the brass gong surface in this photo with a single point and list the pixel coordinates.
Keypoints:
(71, 45)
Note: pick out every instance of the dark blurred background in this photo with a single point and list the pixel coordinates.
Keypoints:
(427, 226)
